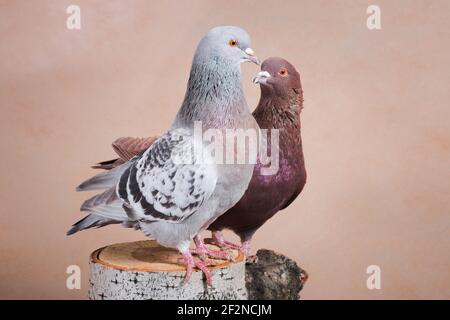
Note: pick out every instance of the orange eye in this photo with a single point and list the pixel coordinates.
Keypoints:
(232, 43)
(283, 72)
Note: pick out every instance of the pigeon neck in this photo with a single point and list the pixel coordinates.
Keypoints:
(275, 112)
(214, 95)
(278, 113)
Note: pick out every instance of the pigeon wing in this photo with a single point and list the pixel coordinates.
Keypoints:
(126, 148)
(168, 182)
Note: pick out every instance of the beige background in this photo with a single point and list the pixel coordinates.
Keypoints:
(375, 128)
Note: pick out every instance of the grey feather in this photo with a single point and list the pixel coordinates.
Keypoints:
(104, 180)
(90, 221)
(104, 198)
(159, 187)
(172, 201)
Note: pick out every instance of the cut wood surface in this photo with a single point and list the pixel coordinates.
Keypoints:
(146, 270)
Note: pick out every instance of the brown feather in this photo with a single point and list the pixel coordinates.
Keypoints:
(126, 148)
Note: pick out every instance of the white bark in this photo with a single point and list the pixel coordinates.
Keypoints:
(143, 270)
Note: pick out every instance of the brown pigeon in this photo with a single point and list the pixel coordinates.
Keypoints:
(279, 108)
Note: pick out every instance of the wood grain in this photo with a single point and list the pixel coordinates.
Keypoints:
(146, 270)
(149, 256)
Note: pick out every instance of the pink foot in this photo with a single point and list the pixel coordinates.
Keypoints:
(191, 263)
(219, 240)
(246, 248)
(204, 252)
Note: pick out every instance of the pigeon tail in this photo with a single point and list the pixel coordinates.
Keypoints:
(104, 208)
(91, 221)
(104, 180)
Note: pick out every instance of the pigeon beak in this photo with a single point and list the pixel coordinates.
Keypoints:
(261, 77)
(251, 56)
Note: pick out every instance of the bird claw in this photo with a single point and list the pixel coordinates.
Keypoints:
(224, 248)
(191, 263)
(232, 245)
(219, 241)
(204, 252)
(222, 243)
(204, 268)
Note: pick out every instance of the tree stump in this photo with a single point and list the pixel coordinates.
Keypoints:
(145, 270)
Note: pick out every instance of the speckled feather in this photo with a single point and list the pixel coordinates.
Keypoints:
(172, 201)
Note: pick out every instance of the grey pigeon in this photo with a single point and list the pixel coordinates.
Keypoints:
(279, 108)
(169, 191)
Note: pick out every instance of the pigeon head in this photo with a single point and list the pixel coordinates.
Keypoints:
(214, 93)
(229, 44)
(280, 78)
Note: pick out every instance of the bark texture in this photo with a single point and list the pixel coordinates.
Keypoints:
(143, 270)
(273, 276)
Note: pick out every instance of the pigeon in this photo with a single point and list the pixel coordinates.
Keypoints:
(170, 190)
(279, 108)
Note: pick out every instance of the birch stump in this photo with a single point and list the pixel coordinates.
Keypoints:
(144, 270)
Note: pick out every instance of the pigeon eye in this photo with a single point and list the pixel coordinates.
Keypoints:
(283, 72)
(232, 43)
